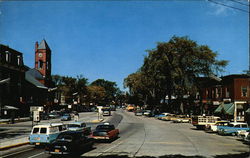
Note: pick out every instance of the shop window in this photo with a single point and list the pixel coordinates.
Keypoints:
(244, 91)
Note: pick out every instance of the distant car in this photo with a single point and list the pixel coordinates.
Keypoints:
(79, 126)
(69, 142)
(160, 116)
(232, 128)
(106, 111)
(66, 117)
(181, 119)
(148, 113)
(53, 115)
(105, 132)
(169, 117)
(138, 113)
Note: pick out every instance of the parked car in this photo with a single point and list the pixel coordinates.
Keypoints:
(181, 119)
(66, 117)
(160, 116)
(214, 127)
(79, 126)
(105, 132)
(169, 117)
(69, 142)
(201, 122)
(232, 128)
(247, 139)
(243, 133)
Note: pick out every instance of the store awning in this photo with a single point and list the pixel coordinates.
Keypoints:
(7, 107)
(225, 108)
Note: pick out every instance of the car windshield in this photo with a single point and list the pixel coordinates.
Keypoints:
(99, 133)
(35, 130)
(73, 125)
(104, 127)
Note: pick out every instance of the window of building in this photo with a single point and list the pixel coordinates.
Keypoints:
(244, 91)
(18, 60)
(7, 56)
(227, 93)
(40, 64)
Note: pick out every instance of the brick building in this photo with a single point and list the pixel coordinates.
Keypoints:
(21, 86)
(228, 96)
(12, 75)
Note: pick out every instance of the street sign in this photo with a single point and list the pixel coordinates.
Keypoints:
(36, 116)
(36, 108)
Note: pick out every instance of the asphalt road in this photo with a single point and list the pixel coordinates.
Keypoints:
(148, 137)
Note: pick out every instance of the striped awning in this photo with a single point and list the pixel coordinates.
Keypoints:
(225, 108)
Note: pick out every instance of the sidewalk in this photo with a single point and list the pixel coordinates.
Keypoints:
(24, 139)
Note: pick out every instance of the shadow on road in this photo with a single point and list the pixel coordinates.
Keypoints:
(241, 155)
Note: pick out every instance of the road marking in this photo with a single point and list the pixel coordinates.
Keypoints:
(17, 152)
(113, 146)
(109, 149)
(36, 155)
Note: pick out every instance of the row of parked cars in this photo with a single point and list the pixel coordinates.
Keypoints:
(164, 116)
(70, 138)
(239, 129)
(222, 127)
(208, 123)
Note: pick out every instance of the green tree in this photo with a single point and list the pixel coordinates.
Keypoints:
(96, 94)
(171, 68)
(111, 89)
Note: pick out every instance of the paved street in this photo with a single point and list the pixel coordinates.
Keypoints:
(141, 136)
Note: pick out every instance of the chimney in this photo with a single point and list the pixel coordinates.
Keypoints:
(36, 46)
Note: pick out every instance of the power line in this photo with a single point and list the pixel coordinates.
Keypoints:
(225, 5)
(238, 2)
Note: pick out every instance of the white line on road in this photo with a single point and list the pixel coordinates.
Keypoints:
(109, 148)
(36, 155)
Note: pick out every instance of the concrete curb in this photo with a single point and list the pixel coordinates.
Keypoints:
(12, 146)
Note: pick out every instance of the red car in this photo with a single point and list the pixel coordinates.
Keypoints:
(105, 132)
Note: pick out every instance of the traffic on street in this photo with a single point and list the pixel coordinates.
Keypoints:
(139, 136)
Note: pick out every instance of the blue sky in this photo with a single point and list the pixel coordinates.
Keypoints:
(108, 39)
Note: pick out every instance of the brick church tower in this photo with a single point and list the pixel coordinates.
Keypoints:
(43, 62)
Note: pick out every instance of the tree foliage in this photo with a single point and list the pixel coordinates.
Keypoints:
(100, 92)
(171, 68)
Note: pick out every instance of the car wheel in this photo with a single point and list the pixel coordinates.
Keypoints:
(233, 134)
